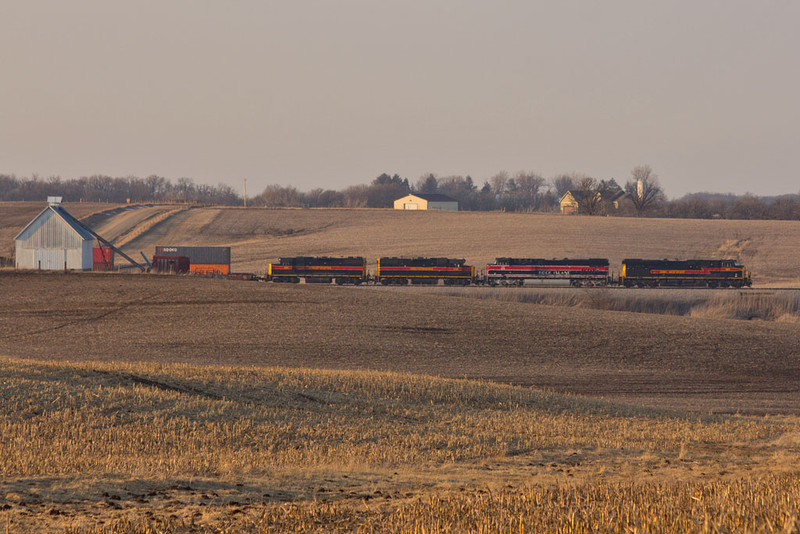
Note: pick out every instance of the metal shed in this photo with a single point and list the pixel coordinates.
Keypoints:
(420, 201)
(54, 240)
(202, 260)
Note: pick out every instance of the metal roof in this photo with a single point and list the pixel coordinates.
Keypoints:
(69, 221)
(433, 197)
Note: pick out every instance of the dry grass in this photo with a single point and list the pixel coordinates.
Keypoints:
(181, 448)
(772, 305)
(246, 445)
(681, 362)
(258, 236)
(195, 421)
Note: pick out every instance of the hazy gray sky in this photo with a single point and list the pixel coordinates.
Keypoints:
(333, 93)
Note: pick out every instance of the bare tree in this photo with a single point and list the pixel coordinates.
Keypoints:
(589, 196)
(644, 190)
(499, 182)
(529, 185)
(563, 183)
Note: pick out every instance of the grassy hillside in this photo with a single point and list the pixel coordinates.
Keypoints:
(183, 447)
(258, 236)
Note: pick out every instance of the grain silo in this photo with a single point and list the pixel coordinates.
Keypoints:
(54, 240)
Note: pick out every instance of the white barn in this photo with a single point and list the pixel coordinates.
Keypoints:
(54, 240)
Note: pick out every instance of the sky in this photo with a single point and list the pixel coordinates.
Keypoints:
(328, 94)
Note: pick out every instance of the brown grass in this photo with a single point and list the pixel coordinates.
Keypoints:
(204, 428)
(259, 235)
(686, 363)
(146, 445)
(769, 305)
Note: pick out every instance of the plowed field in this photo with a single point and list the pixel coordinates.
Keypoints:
(661, 361)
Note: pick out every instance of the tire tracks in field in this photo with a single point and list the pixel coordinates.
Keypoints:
(186, 390)
(302, 401)
(97, 317)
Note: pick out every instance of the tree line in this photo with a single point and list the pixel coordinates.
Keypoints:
(101, 188)
(640, 195)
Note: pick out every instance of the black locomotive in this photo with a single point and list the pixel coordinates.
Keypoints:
(683, 273)
(401, 271)
(320, 270)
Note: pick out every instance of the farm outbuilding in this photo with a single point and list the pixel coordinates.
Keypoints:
(54, 240)
(420, 201)
(205, 261)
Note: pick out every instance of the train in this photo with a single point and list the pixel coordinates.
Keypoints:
(580, 272)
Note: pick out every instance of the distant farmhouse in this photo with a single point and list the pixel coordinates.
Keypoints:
(572, 200)
(420, 201)
(54, 240)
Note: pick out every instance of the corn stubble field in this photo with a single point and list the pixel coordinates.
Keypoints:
(135, 403)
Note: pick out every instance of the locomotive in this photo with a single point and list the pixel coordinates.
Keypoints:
(683, 273)
(319, 270)
(400, 271)
(581, 272)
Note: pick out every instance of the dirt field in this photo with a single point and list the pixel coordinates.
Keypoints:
(110, 419)
(662, 361)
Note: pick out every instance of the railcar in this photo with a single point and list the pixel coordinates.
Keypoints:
(578, 272)
(319, 270)
(683, 273)
(401, 271)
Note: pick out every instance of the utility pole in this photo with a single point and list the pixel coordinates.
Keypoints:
(245, 192)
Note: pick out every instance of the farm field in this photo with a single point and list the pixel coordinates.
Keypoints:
(131, 402)
(681, 362)
(94, 447)
(258, 236)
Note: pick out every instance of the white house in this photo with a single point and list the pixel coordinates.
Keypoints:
(422, 201)
(54, 240)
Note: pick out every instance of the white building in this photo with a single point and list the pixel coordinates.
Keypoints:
(420, 201)
(54, 240)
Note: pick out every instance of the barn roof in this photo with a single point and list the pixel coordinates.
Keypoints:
(70, 221)
(434, 197)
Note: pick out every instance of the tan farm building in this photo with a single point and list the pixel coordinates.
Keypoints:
(571, 201)
(423, 201)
